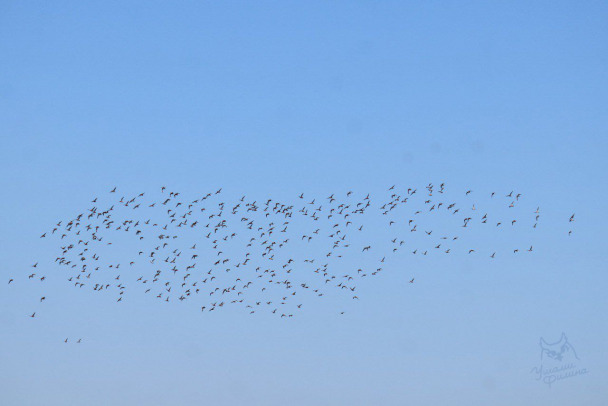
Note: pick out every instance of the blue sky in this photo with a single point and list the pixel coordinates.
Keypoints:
(279, 98)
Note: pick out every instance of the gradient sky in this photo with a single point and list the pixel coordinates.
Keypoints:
(279, 98)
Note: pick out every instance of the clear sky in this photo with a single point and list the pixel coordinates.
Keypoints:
(278, 98)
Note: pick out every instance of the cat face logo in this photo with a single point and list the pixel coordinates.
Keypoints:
(560, 351)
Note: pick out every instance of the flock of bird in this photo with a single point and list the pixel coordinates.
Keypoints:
(264, 255)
